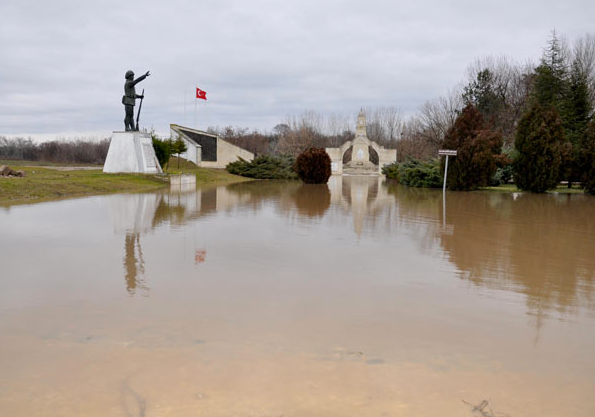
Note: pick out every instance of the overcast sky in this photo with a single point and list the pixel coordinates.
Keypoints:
(62, 63)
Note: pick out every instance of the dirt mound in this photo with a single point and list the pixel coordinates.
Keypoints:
(5, 171)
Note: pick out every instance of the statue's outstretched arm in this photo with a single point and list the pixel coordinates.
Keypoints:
(142, 77)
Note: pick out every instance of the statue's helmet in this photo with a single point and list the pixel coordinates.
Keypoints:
(129, 74)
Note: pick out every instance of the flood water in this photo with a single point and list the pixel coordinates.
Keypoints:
(356, 298)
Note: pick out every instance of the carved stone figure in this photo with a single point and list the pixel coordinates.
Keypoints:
(130, 96)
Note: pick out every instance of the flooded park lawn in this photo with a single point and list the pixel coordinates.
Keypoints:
(356, 298)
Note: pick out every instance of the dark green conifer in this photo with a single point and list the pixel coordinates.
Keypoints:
(538, 142)
(587, 158)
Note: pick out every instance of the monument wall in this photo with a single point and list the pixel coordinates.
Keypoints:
(360, 156)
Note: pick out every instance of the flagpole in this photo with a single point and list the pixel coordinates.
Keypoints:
(195, 122)
(185, 118)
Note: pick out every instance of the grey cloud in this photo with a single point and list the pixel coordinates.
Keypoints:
(63, 62)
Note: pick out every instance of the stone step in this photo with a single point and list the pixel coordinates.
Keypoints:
(360, 171)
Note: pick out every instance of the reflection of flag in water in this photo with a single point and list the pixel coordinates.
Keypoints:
(200, 256)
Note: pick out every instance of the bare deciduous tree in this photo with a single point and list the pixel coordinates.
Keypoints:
(384, 125)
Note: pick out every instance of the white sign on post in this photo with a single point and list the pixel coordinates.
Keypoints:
(447, 152)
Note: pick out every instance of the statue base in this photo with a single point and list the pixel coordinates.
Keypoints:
(131, 152)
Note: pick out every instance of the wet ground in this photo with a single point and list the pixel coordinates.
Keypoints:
(359, 298)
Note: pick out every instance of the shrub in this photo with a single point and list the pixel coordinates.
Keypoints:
(391, 170)
(538, 141)
(504, 173)
(313, 166)
(264, 167)
(587, 159)
(415, 173)
(478, 151)
(162, 150)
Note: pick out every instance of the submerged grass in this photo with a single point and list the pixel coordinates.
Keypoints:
(45, 184)
(560, 189)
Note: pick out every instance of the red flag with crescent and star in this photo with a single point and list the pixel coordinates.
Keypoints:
(201, 94)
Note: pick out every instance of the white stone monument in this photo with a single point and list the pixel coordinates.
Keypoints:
(360, 163)
(131, 151)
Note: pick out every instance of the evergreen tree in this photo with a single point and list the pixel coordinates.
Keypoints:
(538, 142)
(485, 95)
(178, 147)
(478, 151)
(587, 158)
(162, 149)
(578, 112)
(551, 77)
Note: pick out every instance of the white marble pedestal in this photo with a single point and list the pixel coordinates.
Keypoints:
(131, 152)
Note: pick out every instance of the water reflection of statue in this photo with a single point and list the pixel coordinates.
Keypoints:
(134, 280)
(132, 215)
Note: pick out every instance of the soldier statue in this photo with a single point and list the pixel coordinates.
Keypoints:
(130, 96)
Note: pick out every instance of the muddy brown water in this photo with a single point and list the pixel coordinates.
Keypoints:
(357, 298)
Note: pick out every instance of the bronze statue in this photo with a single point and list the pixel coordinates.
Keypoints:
(130, 96)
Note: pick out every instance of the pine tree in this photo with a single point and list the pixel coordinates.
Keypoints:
(485, 95)
(551, 77)
(538, 142)
(577, 114)
(587, 158)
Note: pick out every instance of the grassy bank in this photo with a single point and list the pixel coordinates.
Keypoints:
(44, 184)
(203, 175)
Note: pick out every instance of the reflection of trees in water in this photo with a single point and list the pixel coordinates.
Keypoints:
(552, 250)
(256, 193)
(419, 212)
(537, 245)
(540, 246)
(479, 242)
(164, 212)
(313, 200)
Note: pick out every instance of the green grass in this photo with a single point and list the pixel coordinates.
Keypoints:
(44, 184)
(203, 175)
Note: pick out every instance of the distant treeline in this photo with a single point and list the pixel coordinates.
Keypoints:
(70, 152)
(502, 89)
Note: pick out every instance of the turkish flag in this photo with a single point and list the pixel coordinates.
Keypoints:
(201, 94)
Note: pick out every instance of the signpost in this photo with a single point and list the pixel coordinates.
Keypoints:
(447, 152)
